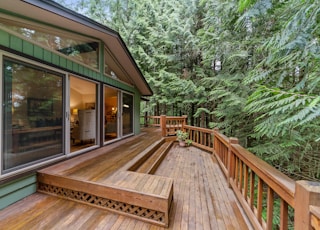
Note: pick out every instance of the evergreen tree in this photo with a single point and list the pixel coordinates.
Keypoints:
(249, 67)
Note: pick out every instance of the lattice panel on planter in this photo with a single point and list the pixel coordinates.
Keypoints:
(120, 207)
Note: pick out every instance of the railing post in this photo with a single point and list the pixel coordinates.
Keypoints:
(163, 123)
(146, 119)
(184, 121)
(215, 132)
(306, 193)
(231, 163)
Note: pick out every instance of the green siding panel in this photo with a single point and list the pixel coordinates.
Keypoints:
(69, 65)
(16, 43)
(47, 56)
(28, 48)
(17, 195)
(86, 72)
(17, 190)
(75, 67)
(4, 38)
(38, 52)
(137, 102)
(63, 62)
(55, 59)
(81, 69)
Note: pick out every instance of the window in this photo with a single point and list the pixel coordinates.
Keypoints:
(127, 114)
(78, 48)
(111, 120)
(112, 69)
(32, 114)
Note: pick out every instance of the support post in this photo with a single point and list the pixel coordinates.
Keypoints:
(146, 119)
(231, 159)
(215, 133)
(307, 193)
(163, 125)
(184, 121)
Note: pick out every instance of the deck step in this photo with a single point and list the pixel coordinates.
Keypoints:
(150, 165)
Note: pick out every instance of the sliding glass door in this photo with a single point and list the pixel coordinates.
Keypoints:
(127, 114)
(111, 111)
(83, 110)
(32, 114)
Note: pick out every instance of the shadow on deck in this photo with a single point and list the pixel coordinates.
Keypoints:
(144, 177)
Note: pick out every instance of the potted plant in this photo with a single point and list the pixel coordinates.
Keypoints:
(182, 137)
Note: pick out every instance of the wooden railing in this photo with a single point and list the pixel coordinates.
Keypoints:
(270, 199)
(315, 217)
(200, 137)
(152, 121)
(170, 125)
(261, 189)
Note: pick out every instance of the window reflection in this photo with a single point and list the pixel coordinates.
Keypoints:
(32, 99)
(127, 114)
(81, 49)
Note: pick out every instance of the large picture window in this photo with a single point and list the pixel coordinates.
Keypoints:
(32, 114)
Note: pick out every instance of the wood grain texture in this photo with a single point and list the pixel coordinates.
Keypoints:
(201, 197)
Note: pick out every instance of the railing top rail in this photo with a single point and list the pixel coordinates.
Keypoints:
(221, 137)
(279, 182)
(174, 118)
(198, 129)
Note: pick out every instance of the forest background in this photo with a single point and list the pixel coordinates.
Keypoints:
(249, 67)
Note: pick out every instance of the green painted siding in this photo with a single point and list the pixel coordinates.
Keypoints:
(22, 187)
(27, 48)
(55, 59)
(4, 38)
(137, 100)
(16, 43)
(69, 65)
(38, 52)
(16, 190)
(47, 56)
(63, 62)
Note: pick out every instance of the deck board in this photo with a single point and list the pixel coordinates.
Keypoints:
(202, 199)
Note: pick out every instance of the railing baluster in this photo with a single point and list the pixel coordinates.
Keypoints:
(283, 215)
(270, 203)
(259, 200)
(252, 188)
(245, 185)
(236, 172)
(240, 185)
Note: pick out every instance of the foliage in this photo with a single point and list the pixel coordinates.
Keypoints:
(182, 136)
(285, 101)
(249, 67)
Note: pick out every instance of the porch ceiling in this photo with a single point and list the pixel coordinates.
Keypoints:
(55, 14)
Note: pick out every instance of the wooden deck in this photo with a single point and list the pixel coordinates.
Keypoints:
(201, 197)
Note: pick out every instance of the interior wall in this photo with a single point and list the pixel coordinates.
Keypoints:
(76, 99)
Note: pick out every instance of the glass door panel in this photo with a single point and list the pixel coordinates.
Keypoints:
(111, 113)
(32, 114)
(127, 114)
(83, 119)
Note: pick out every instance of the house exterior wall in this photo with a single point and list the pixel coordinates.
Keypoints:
(20, 187)
(15, 190)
